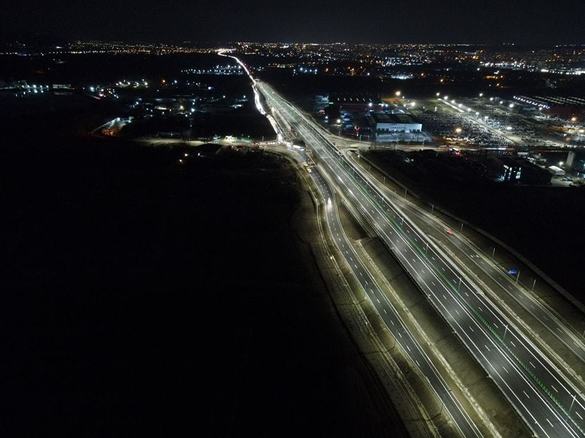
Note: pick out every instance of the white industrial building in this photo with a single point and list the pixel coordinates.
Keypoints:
(395, 127)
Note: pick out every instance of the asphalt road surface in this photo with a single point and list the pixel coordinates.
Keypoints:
(495, 278)
(389, 314)
(542, 394)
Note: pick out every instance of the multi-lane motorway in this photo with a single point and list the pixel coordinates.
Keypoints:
(496, 279)
(540, 393)
(389, 314)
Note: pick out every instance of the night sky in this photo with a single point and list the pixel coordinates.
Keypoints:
(482, 21)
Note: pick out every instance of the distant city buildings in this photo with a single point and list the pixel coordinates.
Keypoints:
(102, 47)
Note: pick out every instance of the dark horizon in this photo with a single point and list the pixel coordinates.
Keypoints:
(473, 22)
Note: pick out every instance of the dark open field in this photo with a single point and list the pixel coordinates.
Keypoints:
(144, 297)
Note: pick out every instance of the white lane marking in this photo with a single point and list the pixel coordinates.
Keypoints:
(550, 422)
(486, 347)
(506, 370)
(578, 415)
(384, 309)
(526, 394)
(553, 387)
(533, 366)
(512, 342)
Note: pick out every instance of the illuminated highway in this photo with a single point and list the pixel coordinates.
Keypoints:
(409, 344)
(496, 279)
(541, 394)
(388, 313)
